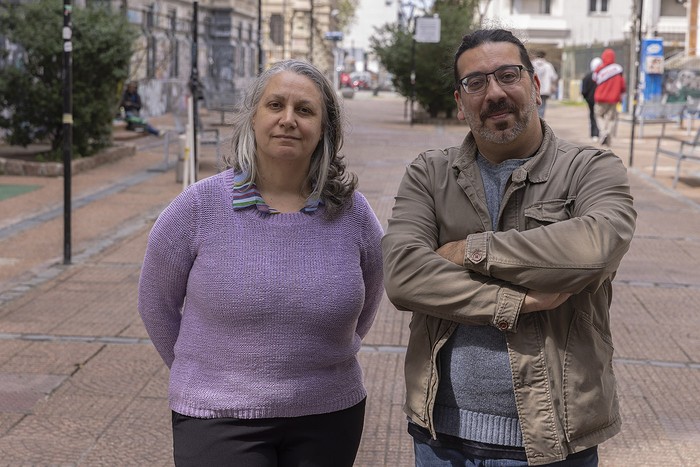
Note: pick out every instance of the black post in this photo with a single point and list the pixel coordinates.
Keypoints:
(413, 68)
(635, 98)
(194, 85)
(67, 127)
(260, 44)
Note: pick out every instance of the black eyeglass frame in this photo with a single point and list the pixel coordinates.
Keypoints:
(486, 76)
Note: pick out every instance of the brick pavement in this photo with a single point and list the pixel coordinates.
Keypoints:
(81, 385)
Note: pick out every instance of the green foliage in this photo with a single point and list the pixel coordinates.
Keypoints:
(31, 88)
(433, 62)
(346, 13)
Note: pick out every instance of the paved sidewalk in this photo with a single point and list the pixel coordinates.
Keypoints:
(80, 384)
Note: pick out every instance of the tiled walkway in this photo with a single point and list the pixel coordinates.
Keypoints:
(81, 385)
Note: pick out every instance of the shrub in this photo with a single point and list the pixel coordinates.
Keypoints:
(434, 88)
(31, 83)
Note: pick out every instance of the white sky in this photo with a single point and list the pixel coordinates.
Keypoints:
(370, 13)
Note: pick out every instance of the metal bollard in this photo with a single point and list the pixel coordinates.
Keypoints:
(180, 164)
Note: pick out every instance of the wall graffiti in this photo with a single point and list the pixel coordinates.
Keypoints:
(679, 85)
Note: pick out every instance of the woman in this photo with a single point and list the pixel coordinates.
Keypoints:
(259, 283)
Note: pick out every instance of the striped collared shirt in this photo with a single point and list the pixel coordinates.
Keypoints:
(246, 195)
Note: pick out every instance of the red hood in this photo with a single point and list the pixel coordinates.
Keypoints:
(608, 56)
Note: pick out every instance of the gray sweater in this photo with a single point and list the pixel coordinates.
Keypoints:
(475, 398)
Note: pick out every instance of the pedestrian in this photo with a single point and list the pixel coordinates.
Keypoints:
(610, 86)
(548, 79)
(588, 86)
(131, 106)
(260, 282)
(504, 250)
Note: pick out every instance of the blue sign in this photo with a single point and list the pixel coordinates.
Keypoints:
(652, 67)
(333, 36)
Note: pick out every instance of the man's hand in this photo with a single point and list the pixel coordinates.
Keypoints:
(453, 251)
(542, 301)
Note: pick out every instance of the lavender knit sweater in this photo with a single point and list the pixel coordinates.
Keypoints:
(275, 308)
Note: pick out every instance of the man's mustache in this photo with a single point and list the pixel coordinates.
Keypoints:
(497, 107)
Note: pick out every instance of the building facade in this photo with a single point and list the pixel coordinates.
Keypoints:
(572, 33)
(299, 29)
(235, 40)
(226, 48)
(231, 49)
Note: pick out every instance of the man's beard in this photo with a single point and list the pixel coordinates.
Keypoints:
(502, 134)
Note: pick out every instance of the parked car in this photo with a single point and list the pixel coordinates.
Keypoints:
(361, 80)
(345, 80)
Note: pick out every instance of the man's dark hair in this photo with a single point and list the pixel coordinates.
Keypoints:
(482, 36)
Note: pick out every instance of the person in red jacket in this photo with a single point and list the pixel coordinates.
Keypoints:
(610, 86)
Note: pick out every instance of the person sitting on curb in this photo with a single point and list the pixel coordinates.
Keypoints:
(131, 107)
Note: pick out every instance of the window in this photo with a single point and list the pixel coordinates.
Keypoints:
(150, 57)
(174, 46)
(172, 20)
(276, 29)
(598, 6)
(150, 42)
(98, 4)
(672, 8)
(546, 7)
(150, 17)
(531, 7)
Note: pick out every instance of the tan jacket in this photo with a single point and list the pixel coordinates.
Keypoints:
(566, 221)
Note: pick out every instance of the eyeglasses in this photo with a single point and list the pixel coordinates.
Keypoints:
(506, 75)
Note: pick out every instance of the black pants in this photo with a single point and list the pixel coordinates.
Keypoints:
(325, 440)
(591, 118)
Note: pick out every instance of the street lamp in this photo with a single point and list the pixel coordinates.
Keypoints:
(260, 43)
(637, 28)
(335, 36)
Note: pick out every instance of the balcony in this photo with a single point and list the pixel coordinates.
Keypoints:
(672, 29)
(539, 28)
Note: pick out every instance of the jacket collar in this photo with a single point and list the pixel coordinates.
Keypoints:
(537, 169)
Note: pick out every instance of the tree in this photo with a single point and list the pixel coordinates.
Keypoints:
(31, 86)
(433, 62)
(346, 13)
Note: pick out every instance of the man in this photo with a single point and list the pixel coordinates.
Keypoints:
(588, 86)
(548, 79)
(504, 250)
(610, 86)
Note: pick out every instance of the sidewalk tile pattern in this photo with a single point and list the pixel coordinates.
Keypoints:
(81, 385)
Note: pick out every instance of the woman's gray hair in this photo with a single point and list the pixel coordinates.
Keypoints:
(327, 173)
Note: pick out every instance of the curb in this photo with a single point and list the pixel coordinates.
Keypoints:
(55, 169)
